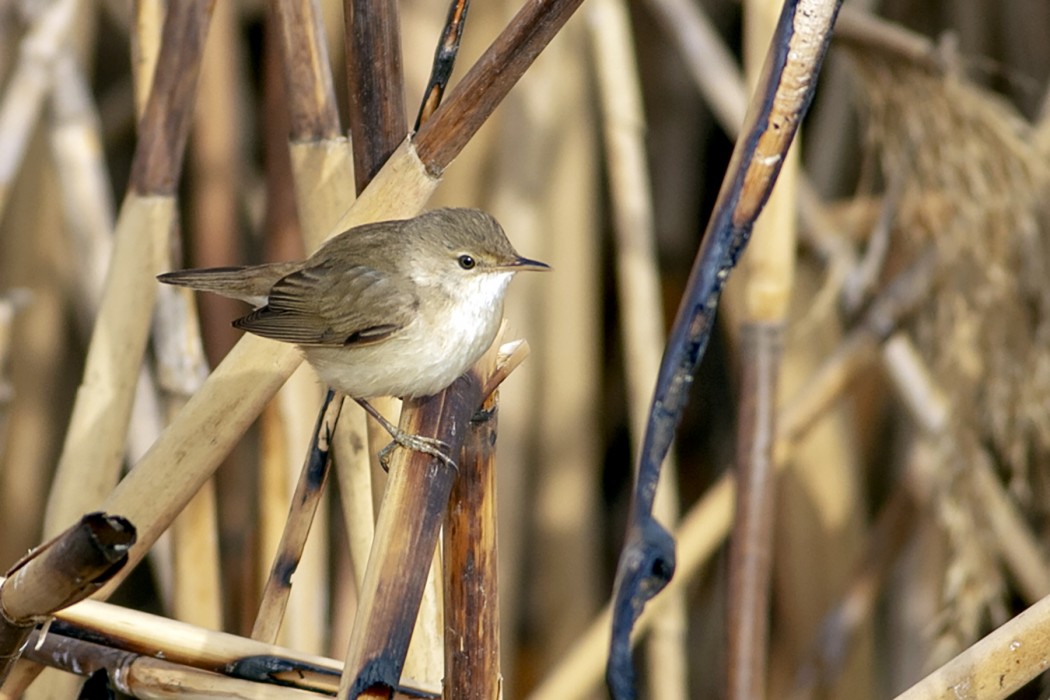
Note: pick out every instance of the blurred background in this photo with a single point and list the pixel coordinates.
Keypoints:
(944, 149)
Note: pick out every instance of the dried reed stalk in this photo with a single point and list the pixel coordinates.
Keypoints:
(57, 574)
(304, 504)
(142, 633)
(996, 666)
(146, 677)
(322, 167)
(472, 612)
(639, 295)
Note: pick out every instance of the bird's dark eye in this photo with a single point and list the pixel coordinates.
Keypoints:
(467, 262)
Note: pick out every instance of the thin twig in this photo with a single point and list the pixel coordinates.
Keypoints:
(474, 98)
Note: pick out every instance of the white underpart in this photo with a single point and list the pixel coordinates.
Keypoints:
(454, 327)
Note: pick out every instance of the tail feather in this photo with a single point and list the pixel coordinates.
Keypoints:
(251, 284)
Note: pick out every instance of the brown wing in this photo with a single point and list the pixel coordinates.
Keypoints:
(322, 305)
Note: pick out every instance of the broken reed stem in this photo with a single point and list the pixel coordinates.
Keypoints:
(472, 619)
(444, 60)
(638, 287)
(304, 504)
(706, 524)
(376, 82)
(147, 677)
(93, 449)
(57, 574)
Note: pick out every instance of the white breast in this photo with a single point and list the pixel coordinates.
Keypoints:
(451, 332)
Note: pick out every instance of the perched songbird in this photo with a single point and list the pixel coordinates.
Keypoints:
(394, 308)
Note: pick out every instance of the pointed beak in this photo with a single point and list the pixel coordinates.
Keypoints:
(520, 264)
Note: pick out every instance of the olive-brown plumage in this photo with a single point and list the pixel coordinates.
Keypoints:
(394, 308)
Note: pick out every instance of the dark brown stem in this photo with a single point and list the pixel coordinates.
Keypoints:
(410, 520)
(472, 651)
(308, 80)
(376, 80)
(444, 60)
(751, 548)
(471, 102)
(165, 125)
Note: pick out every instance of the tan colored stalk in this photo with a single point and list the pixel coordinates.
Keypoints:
(305, 625)
(304, 503)
(93, 449)
(996, 666)
(187, 644)
(353, 471)
(757, 304)
(641, 308)
(146, 29)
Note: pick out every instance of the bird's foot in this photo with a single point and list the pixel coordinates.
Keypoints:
(418, 443)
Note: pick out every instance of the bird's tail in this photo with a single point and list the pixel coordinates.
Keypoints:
(251, 284)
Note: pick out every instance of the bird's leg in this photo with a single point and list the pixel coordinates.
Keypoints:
(419, 443)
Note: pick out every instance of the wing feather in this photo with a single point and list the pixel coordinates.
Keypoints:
(325, 305)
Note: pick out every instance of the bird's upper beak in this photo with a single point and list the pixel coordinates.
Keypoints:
(521, 264)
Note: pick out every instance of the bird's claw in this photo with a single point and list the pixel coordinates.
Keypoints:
(418, 443)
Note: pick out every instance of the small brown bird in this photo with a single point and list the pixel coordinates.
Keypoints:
(393, 308)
